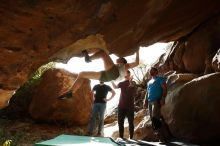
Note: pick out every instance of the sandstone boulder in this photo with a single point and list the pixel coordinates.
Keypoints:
(143, 128)
(45, 105)
(191, 110)
(5, 97)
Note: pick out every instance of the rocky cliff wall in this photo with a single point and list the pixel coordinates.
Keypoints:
(32, 31)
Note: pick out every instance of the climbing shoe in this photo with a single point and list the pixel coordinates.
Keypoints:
(86, 55)
(66, 95)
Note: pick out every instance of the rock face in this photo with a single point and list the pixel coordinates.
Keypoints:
(191, 110)
(143, 128)
(216, 61)
(194, 53)
(32, 31)
(5, 97)
(46, 107)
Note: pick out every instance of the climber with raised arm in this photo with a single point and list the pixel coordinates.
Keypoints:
(112, 71)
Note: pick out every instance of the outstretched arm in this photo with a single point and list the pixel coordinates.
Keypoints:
(134, 64)
(114, 86)
(113, 94)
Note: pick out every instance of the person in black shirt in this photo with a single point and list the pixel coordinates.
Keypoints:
(100, 92)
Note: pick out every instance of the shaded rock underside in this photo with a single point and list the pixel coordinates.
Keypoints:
(32, 31)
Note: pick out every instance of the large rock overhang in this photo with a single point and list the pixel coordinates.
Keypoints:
(32, 31)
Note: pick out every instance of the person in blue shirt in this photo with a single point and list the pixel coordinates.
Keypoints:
(156, 93)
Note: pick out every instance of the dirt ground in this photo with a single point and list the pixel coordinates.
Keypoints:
(27, 132)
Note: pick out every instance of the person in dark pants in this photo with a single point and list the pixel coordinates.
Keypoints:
(126, 104)
(156, 93)
(100, 92)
